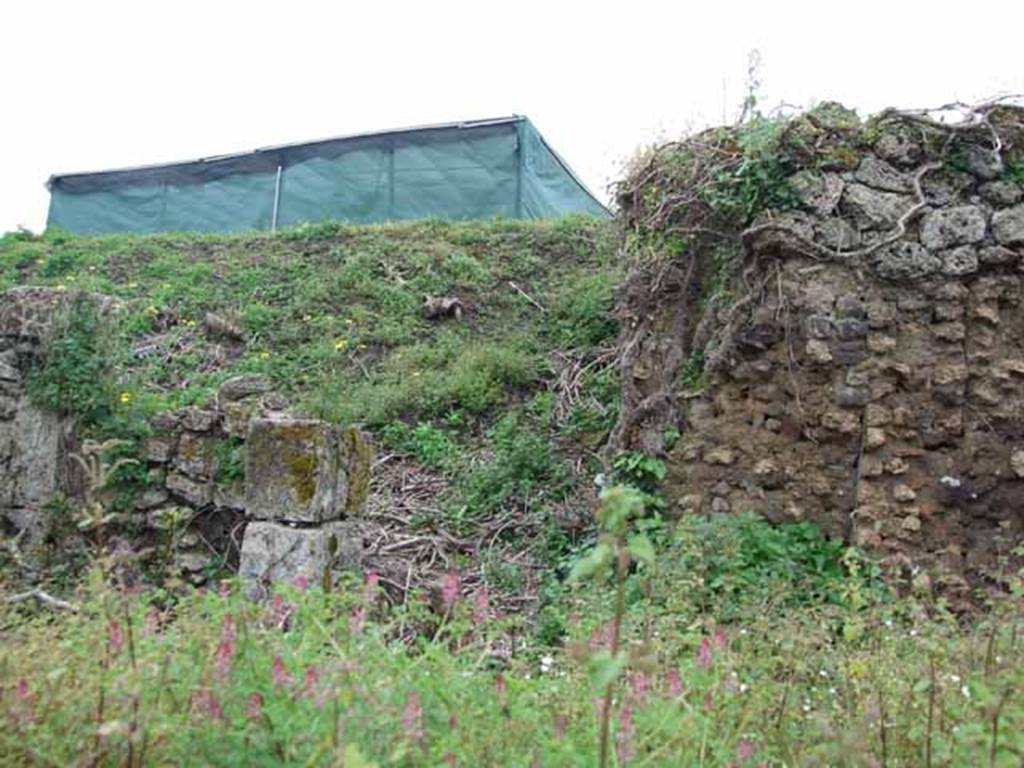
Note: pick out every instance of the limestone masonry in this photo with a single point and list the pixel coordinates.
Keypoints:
(875, 381)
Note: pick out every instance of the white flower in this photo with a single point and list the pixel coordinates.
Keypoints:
(965, 691)
(546, 663)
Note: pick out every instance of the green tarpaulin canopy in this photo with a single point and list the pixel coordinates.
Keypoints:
(471, 170)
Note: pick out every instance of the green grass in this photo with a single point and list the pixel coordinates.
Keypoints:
(761, 673)
(333, 315)
(744, 644)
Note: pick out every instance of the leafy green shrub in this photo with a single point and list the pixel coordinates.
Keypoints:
(429, 381)
(733, 562)
(582, 313)
(230, 461)
(75, 371)
(431, 446)
(60, 263)
(523, 469)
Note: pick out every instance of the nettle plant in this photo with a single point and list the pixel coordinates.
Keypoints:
(622, 543)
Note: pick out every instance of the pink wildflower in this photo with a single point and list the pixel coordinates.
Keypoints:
(280, 675)
(412, 719)
(254, 706)
(301, 583)
(280, 611)
(481, 606)
(224, 590)
(450, 590)
(228, 631)
(501, 689)
(624, 738)
(720, 639)
(24, 711)
(600, 638)
(224, 658)
(115, 637)
(151, 626)
(312, 677)
(356, 620)
(745, 750)
(639, 688)
(675, 684)
(561, 726)
(371, 584)
(226, 649)
(205, 703)
(704, 659)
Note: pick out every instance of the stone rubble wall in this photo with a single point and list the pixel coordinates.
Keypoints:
(237, 481)
(34, 442)
(301, 477)
(192, 490)
(881, 396)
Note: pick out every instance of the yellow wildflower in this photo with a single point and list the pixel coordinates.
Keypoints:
(341, 345)
(126, 397)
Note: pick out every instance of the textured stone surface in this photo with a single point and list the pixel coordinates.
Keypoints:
(880, 175)
(1001, 193)
(946, 227)
(906, 261)
(1008, 226)
(960, 261)
(296, 470)
(885, 398)
(34, 442)
(276, 552)
(241, 387)
(871, 208)
(818, 191)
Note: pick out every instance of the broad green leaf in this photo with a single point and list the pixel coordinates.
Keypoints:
(605, 668)
(592, 562)
(641, 549)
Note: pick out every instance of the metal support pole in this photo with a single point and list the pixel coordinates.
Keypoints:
(277, 200)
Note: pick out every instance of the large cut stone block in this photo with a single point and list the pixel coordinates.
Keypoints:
(277, 552)
(296, 470)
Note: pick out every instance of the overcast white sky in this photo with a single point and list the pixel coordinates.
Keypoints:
(99, 84)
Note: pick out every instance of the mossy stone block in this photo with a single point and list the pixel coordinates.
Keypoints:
(296, 471)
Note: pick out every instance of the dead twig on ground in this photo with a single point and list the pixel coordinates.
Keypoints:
(45, 598)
